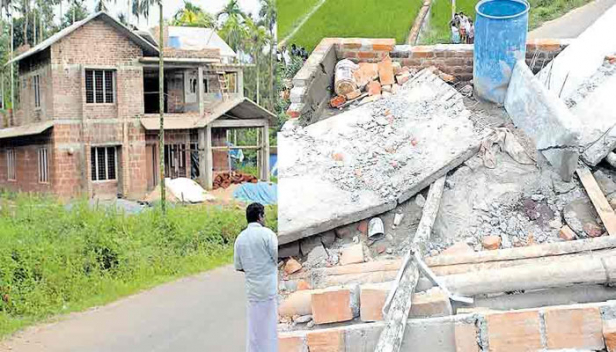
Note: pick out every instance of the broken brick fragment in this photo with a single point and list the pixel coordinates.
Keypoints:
(302, 285)
(609, 335)
(373, 88)
(337, 101)
(353, 95)
(491, 242)
(611, 59)
(292, 266)
(366, 73)
(458, 248)
(352, 255)
(331, 306)
(592, 230)
(338, 156)
(446, 77)
(403, 77)
(386, 71)
(566, 233)
(363, 227)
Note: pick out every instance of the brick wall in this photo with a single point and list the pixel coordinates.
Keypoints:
(588, 327)
(26, 163)
(313, 84)
(39, 65)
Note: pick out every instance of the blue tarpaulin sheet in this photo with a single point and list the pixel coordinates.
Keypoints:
(262, 192)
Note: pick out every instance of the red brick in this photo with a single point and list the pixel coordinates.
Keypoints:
(466, 338)
(609, 335)
(352, 255)
(386, 72)
(346, 54)
(383, 44)
(566, 233)
(547, 44)
(351, 43)
(290, 344)
(337, 101)
(303, 285)
(574, 328)
(292, 266)
(372, 298)
(422, 51)
(458, 248)
(331, 306)
(367, 55)
(326, 341)
(514, 331)
(491, 242)
(373, 88)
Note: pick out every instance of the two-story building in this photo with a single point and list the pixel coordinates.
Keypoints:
(88, 117)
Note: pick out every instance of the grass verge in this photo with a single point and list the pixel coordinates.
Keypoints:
(55, 261)
(359, 18)
(290, 12)
(540, 12)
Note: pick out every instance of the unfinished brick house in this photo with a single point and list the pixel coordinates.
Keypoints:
(89, 114)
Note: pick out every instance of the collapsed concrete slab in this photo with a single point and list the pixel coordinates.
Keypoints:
(545, 118)
(581, 58)
(366, 161)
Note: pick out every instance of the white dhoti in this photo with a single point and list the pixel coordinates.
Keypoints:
(262, 326)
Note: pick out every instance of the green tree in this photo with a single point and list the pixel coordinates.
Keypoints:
(256, 41)
(77, 11)
(142, 8)
(268, 15)
(193, 16)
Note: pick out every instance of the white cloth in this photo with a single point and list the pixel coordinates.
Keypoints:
(262, 326)
(256, 253)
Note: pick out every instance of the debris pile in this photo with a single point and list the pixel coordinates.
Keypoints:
(366, 82)
(225, 179)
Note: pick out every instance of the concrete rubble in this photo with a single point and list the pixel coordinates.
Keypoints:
(523, 225)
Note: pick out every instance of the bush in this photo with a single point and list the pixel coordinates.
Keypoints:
(55, 260)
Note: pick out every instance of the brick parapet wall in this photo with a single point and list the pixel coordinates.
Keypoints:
(575, 327)
(454, 59)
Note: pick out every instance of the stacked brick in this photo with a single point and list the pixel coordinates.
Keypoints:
(575, 327)
(455, 60)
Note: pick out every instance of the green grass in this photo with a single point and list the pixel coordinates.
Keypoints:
(290, 13)
(540, 12)
(359, 18)
(55, 261)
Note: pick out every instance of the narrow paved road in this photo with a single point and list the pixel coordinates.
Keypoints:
(574, 22)
(201, 313)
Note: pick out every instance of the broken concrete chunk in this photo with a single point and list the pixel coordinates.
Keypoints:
(397, 67)
(578, 213)
(309, 243)
(491, 242)
(292, 266)
(420, 200)
(593, 230)
(373, 88)
(289, 250)
(352, 255)
(386, 72)
(317, 256)
(328, 238)
(605, 182)
(302, 319)
(544, 118)
(566, 233)
(561, 187)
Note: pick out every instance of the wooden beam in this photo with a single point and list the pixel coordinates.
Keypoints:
(606, 213)
(239, 123)
(209, 162)
(396, 317)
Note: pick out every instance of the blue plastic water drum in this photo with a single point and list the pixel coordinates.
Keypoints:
(500, 39)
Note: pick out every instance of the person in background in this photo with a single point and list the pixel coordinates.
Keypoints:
(256, 255)
(455, 34)
(303, 53)
(294, 50)
(463, 27)
(471, 31)
(286, 56)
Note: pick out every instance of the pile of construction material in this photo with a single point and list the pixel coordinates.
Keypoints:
(226, 179)
(366, 82)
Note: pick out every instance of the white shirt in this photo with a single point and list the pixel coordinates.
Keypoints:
(256, 253)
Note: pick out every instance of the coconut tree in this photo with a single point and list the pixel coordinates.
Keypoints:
(268, 14)
(7, 6)
(193, 16)
(257, 39)
(142, 8)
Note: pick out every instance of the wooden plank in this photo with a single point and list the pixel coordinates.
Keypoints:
(396, 318)
(209, 159)
(606, 213)
(225, 123)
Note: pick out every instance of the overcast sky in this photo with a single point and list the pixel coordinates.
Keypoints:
(170, 7)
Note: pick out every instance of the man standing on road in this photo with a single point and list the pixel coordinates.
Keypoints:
(256, 254)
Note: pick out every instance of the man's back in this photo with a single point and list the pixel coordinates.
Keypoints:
(256, 253)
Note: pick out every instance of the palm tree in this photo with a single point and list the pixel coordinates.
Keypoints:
(7, 6)
(268, 13)
(102, 5)
(193, 16)
(142, 8)
(232, 9)
(257, 39)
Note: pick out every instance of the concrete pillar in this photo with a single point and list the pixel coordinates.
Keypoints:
(200, 93)
(205, 157)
